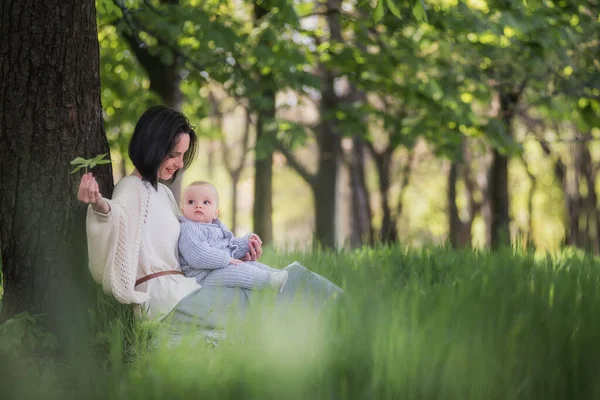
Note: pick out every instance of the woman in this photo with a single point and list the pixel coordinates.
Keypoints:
(132, 238)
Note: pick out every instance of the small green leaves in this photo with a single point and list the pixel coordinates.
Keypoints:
(419, 10)
(81, 162)
(379, 11)
(533, 4)
(394, 9)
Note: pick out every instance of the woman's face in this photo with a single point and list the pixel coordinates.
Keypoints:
(174, 159)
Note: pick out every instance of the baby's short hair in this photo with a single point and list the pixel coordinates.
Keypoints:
(205, 183)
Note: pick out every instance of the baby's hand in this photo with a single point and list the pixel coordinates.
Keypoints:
(233, 261)
(254, 237)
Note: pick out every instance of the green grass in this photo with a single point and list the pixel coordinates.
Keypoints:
(427, 324)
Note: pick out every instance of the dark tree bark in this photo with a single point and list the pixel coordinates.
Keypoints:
(590, 174)
(50, 113)
(361, 225)
(262, 211)
(329, 141)
(498, 184)
(500, 234)
(453, 217)
(362, 216)
(389, 232)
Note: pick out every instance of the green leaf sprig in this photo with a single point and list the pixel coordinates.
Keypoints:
(81, 162)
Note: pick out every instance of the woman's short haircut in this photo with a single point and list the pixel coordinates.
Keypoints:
(156, 134)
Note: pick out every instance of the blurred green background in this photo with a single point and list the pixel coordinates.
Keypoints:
(422, 99)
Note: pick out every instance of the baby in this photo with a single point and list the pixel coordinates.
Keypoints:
(208, 250)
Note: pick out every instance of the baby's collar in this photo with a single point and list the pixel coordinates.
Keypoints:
(215, 221)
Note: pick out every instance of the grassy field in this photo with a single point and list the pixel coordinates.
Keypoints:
(426, 324)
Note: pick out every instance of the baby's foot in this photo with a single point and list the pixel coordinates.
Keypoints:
(278, 280)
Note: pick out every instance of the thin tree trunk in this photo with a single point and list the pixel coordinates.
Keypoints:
(50, 113)
(574, 201)
(262, 211)
(329, 140)
(500, 229)
(590, 174)
(361, 225)
(326, 188)
(473, 206)
(455, 223)
(500, 234)
(529, 228)
(234, 204)
(388, 232)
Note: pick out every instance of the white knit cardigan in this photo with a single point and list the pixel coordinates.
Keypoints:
(114, 241)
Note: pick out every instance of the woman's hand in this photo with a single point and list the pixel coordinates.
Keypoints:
(89, 193)
(256, 238)
(255, 247)
(255, 250)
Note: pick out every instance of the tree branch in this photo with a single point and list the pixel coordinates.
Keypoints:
(132, 21)
(293, 162)
(406, 174)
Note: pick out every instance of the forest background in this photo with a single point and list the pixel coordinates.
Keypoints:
(469, 122)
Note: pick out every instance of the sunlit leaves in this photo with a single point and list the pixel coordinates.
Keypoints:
(419, 10)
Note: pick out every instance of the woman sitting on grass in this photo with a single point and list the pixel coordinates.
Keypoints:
(133, 238)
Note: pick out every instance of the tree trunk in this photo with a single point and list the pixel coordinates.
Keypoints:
(388, 232)
(326, 180)
(500, 234)
(454, 230)
(573, 198)
(498, 185)
(262, 211)
(361, 225)
(234, 203)
(529, 229)
(325, 189)
(593, 233)
(50, 113)
(473, 206)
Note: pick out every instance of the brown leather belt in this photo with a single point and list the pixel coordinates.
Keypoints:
(156, 275)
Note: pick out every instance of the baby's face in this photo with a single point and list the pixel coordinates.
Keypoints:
(200, 203)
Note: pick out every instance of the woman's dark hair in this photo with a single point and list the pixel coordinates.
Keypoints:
(156, 134)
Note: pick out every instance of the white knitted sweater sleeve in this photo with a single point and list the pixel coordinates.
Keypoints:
(114, 241)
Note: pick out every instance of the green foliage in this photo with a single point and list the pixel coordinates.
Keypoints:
(81, 162)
